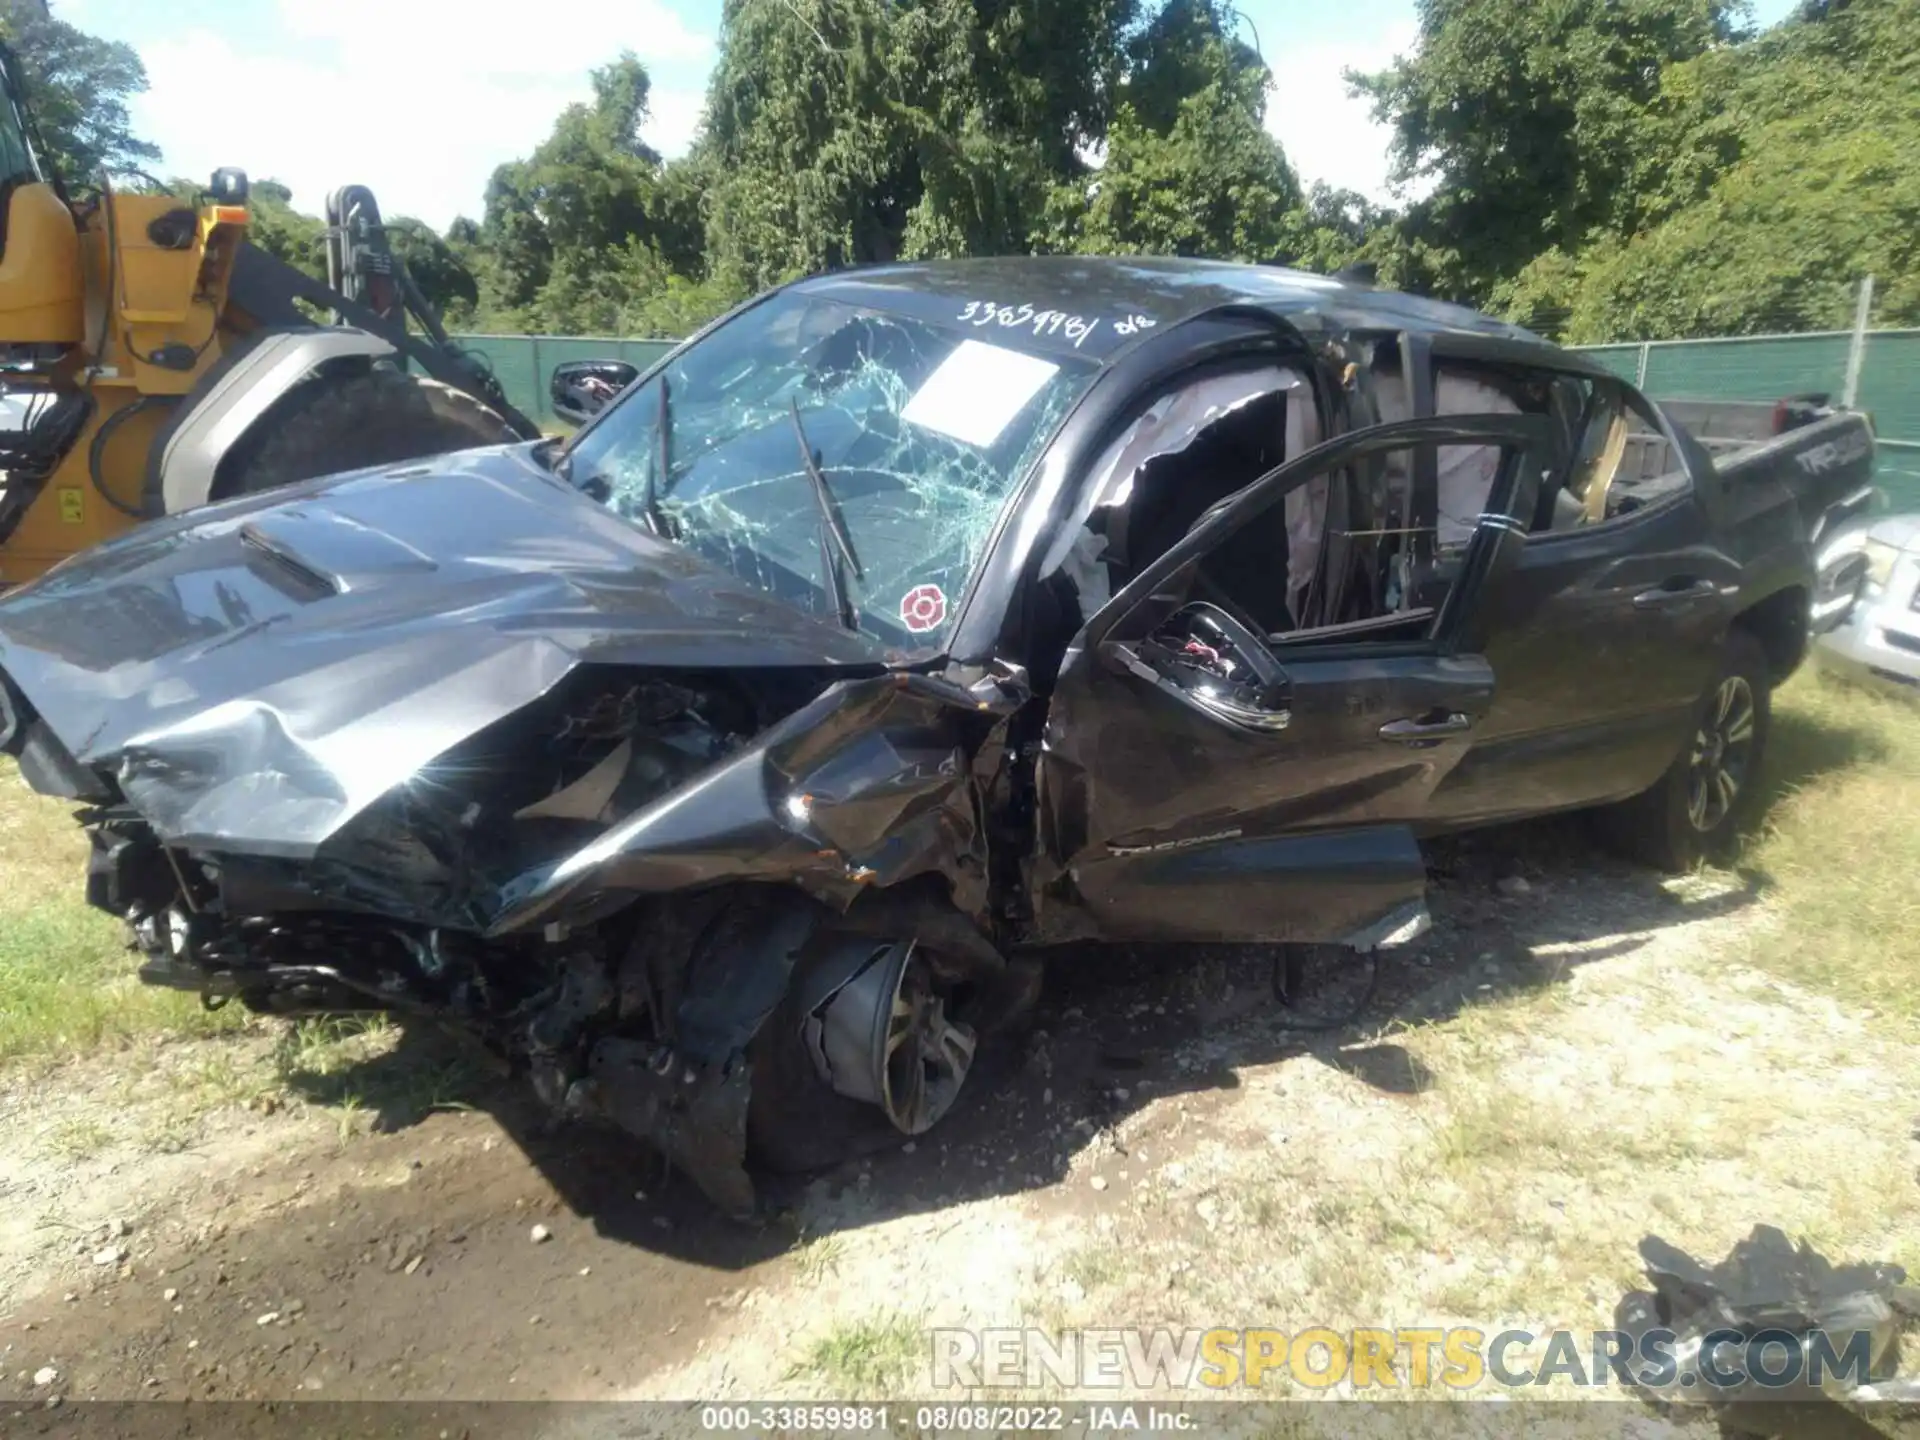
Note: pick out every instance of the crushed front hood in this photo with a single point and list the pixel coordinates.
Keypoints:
(255, 673)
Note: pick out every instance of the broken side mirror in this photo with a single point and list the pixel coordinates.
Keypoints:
(1206, 658)
(581, 388)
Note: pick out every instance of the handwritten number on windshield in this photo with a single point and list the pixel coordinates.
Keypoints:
(1076, 328)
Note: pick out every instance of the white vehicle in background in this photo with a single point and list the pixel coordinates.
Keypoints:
(1877, 638)
(1864, 613)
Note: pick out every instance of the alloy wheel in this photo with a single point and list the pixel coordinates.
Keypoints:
(1722, 753)
(886, 1038)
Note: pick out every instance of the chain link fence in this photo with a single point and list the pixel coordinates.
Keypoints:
(1766, 367)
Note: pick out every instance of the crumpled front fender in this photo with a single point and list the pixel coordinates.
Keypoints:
(867, 785)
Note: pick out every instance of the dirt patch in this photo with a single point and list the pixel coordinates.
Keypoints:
(278, 1257)
(1576, 1057)
(1573, 1060)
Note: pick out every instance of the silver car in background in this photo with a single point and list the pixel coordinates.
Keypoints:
(1877, 640)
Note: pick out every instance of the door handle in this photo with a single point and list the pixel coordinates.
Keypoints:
(1418, 730)
(1677, 595)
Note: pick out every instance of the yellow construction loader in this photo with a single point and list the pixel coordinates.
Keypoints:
(151, 360)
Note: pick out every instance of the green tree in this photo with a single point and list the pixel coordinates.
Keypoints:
(1186, 48)
(514, 236)
(677, 211)
(1332, 228)
(591, 179)
(625, 289)
(1823, 113)
(810, 128)
(439, 269)
(590, 187)
(1531, 124)
(1190, 168)
(842, 132)
(1214, 184)
(865, 130)
(77, 88)
(279, 229)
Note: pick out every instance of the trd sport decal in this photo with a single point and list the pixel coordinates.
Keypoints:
(923, 608)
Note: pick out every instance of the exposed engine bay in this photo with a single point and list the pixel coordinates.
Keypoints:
(429, 902)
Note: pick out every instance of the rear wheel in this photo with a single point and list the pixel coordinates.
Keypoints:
(874, 1060)
(352, 420)
(1697, 810)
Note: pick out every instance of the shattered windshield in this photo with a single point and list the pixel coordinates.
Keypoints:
(914, 434)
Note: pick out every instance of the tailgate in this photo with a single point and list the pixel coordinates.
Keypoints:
(1827, 466)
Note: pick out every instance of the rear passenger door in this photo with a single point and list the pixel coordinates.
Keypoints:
(1609, 627)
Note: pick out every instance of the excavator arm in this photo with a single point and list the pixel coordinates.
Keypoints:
(370, 291)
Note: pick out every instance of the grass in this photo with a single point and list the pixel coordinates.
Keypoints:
(1489, 1127)
(376, 1071)
(817, 1258)
(322, 1047)
(217, 1078)
(1841, 849)
(1095, 1266)
(69, 989)
(1677, 1126)
(1728, 1059)
(866, 1358)
(67, 983)
(79, 1138)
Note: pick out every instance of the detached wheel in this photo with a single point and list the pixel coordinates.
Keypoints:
(1697, 810)
(355, 420)
(847, 1067)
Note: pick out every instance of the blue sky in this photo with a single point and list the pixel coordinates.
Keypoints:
(420, 99)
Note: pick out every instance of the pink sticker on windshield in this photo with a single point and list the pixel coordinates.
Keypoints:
(923, 608)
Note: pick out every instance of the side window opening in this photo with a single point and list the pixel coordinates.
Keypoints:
(1363, 551)
(1599, 446)
(1437, 509)
(1444, 505)
(1619, 462)
(1465, 473)
(17, 165)
(1367, 581)
(1365, 573)
(1186, 450)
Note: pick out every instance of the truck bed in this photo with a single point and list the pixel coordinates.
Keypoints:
(1824, 460)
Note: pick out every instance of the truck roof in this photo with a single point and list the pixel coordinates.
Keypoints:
(1096, 304)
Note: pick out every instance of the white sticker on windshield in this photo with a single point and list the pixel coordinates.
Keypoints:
(976, 391)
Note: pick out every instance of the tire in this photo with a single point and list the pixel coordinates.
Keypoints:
(1685, 818)
(353, 420)
(796, 1121)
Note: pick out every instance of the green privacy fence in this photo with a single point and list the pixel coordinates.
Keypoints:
(524, 363)
(1762, 367)
(1765, 367)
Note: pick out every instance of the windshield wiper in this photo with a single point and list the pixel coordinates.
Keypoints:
(831, 527)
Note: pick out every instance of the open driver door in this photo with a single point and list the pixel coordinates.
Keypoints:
(1200, 780)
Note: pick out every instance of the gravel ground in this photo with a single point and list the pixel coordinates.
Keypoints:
(1572, 1059)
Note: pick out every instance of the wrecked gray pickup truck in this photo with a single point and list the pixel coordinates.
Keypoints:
(724, 765)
